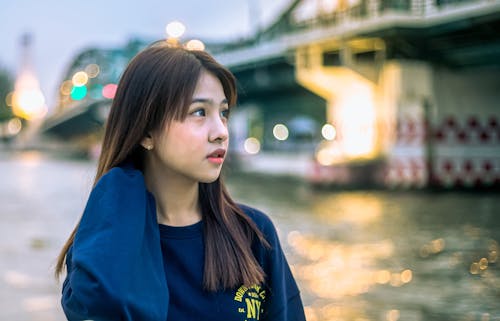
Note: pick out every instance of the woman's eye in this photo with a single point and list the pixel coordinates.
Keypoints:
(199, 112)
(225, 113)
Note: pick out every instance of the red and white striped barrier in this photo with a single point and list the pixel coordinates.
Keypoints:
(465, 153)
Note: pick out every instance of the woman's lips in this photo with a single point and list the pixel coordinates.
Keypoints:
(217, 156)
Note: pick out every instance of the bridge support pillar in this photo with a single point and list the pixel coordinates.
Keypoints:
(348, 83)
(380, 111)
(406, 92)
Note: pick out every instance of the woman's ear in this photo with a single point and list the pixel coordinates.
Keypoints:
(147, 142)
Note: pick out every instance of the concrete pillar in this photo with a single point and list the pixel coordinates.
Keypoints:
(406, 87)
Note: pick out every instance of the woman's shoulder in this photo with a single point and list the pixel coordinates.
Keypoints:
(122, 172)
(121, 176)
(120, 186)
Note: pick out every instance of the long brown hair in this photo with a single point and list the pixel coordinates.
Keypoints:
(156, 88)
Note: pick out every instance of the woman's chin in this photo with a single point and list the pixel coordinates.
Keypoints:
(209, 178)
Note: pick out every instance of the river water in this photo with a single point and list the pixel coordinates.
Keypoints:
(356, 255)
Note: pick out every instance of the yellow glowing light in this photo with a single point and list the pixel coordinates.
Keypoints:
(359, 210)
(28, 101)
(14, 126)
(334, 270)
(175, 29)
(316, 251)
(80, 79)
(329, 153)
(437, 245)
(325, 157)
(252, 145)
(396, 280)
(474, 268)
(357, 118)
(329, 132)
(483, 263)
(29, 104)
(280, 132)
(383, 277)
(392, 315)
(406, 276)
(92, 70)
(66, 87)
(195, 44)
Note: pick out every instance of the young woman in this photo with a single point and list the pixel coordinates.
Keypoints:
(160, 237)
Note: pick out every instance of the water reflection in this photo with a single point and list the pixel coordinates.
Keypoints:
(380, 255)
(333, 270)
(348, 208)
(357, 255)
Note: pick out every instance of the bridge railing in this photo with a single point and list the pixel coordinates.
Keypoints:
(361, 17)
(369, 9)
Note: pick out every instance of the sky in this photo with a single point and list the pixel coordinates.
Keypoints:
(61, 29)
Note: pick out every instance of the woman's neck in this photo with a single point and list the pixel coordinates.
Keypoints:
(176, 197)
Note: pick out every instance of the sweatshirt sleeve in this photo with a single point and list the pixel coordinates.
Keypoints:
(115, 267)
(284, 302)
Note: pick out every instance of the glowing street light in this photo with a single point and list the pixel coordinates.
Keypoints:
(195, 44)
(175, 29)
(28, 101)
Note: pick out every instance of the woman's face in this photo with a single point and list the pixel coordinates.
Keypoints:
(195, 148)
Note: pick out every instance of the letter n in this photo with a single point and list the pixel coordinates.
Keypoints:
(253, 308)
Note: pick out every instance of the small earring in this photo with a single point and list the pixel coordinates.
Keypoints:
(149, 147)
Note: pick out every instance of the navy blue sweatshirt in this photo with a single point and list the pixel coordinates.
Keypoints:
(123, 265)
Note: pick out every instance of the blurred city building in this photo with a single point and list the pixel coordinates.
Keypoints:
(398, 93)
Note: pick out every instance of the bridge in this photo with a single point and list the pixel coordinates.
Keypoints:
(384, 74)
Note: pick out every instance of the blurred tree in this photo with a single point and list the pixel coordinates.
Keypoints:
(6, 86)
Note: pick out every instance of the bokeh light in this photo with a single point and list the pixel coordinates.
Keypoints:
(175, 29)
(109, 91)
(92, 70)
(382, 277)
(406, 276)
(14, 126)
(483, 263)
(252, 145)
(328, 132)
(392, 315)
(78, 92)
(80, 79)
(280, 132)
(29, 103)
(66, 87)
(195, 44)
(474, 268)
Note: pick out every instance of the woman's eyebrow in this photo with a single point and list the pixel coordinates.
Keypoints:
(208, 101)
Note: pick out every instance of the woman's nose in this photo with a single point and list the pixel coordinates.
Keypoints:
(218, 130)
